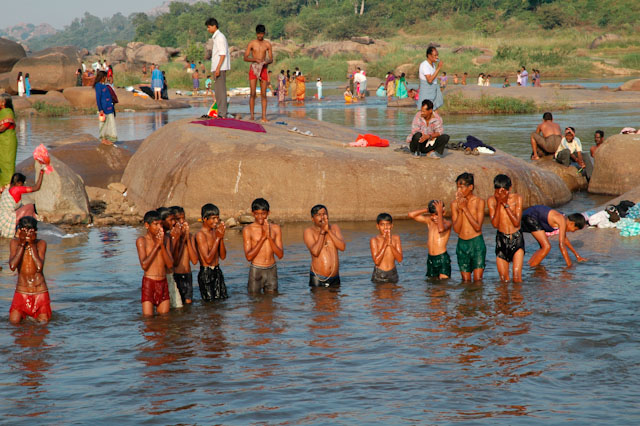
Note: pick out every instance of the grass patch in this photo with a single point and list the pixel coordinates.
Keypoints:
(51, 110)
(631, 60)
(456, 103)
(124, 79)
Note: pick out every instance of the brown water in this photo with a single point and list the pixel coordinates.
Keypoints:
(562, 346)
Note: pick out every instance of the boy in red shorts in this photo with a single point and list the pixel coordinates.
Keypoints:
(154, 260)
(27, 256)
(259, 52)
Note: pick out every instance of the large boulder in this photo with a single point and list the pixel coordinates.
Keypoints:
(189, 165)
(616, 165)
(332, 48)
(117, 55)
(85, 97)
(80, 97)
(62, 198)
(603, 39)
(410, 70)
(569, 175)
(52, 97)
(50, 69)
(10, 53)
(20, 103)
(147, 53)
(363, 40)
(631, 85)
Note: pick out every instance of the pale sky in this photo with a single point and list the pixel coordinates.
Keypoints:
(59, 13)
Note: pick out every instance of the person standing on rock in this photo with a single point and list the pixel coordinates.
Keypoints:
(220, 64)
(156, 81)
(323, 240)
(27, 86)
(8, 139)
(106, 110)
(260, 55)
(547, 137)
(20, 84)
(428, 74)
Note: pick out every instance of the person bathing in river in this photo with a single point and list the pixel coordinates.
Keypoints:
(262, 241)
(505, 212)
(185, 256)
(323, 240)
(171, 236)
(260, 55)
(547, 137)
(26, 254)
(11, 208)
(598, 139)
(540, 220)
(438, 260)
(211, 248)
(386, 250)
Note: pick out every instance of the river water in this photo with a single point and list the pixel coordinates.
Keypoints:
(562, 346)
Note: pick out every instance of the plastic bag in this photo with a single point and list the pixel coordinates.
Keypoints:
(41, 155)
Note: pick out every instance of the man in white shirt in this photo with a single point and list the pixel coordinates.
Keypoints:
(220, 64)
(570, 150)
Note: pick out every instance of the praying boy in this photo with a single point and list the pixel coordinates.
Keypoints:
(154, 259)
(438, 260)
(262, 240)
(467, 214)
(26, 254)
(185, 255)
(386, 250)
(171, 237)
(505, 212)
(323, 240)
(210, 248)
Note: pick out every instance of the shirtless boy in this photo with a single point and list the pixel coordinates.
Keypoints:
(262, 240)
(171, 238)
(260, 55)
(467, 213)
(26, 254)
(538, 220)
(154, 260)
(505, 212)
(438, 261)
(323, 241)
(210, 247)
(185, 255)
(386, 250)
(546, 139)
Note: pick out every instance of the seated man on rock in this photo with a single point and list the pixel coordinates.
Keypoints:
(546, 139)
(570, 150)
(427, 133)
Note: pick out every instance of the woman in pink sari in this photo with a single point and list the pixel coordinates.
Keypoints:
(282, 86)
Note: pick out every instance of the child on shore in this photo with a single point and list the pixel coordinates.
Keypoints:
(210, 249)
(467, 214)
(26, 254)
(185, 255)
(262, 240)
(154, 259)
(386, 250)
(438, 260)
(171, 237)
(505, 211)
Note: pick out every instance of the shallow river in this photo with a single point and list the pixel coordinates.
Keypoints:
(562, 346)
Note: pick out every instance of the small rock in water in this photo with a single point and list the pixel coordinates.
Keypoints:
(231, 222)
(245, 218)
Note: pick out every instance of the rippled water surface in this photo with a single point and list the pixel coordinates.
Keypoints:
(562, 346)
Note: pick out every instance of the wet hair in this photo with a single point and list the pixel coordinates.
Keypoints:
(384, 217)
(209, 210)
(175, 210)
(260, 29)
(428, 103)
(547, 116)
(18, 177)
(163, 212)
(27, 222)
(600, 132)
(578, 219)
(101, 75)
(211, 22)
(260, 204)
(502, 181)
(432, 206)
(430, 50)
(8, 100)
(315, 209)
(465, 178)
(151, 216)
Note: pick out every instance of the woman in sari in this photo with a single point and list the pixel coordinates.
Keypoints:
(300, 88)
(401, 89)
(8, 139)
(27, 85)
(391, 85)
(20, 84)
(11, 208)
(282, 86)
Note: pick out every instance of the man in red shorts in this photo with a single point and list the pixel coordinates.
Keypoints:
(154, 259)
(260, 55)
(27, 256)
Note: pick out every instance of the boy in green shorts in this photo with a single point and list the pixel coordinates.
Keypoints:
(438, 261)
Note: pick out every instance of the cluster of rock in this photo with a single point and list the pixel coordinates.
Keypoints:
(135, 54)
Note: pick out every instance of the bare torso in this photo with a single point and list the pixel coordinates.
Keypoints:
(475, 205)
(437, 241)
(253, 233)
(206, 238)
(258, 50)
(31, 281)
(549, 128)
(388, 261)
(157, 270)
(505, 224)
(327, 263)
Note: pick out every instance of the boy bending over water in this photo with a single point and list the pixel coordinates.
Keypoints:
(185, 255)
(386, 250)
(27, 256)
(505, 211)
(467, 214)
(154, 260)
(323, 241)
(262, 240)
(210, 245)
(438, 261)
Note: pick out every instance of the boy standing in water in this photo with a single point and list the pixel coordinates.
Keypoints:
(505, 212)
(323, 241)
(467, 214)
(185, 255)
(171, 237)
(386, 250)
(26, 254)
(262, 240)
(154, 259)
(260, 55)
(438, 261)
(210, 245)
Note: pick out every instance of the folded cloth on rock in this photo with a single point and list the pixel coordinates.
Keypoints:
(485, 150)
(473, 142)
(628, 227)
(601, 220)
(370, 140)
(627, 131)
(232, 123)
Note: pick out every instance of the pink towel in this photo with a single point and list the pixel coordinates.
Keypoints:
(232, 123)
